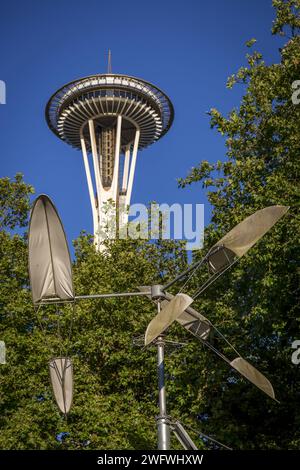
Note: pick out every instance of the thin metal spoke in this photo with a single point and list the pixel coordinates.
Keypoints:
(200, 433)
(212, 279)
(94, 296)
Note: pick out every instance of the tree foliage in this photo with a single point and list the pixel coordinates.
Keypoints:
(258, 304)
(115, 396)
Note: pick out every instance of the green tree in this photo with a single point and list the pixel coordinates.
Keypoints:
(115, 397)
(257, 305)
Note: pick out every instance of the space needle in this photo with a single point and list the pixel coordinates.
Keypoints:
(109, 117)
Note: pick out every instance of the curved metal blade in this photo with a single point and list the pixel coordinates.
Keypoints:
(50, 267)
(167, 316)
(243, 236)
(238, 241)
(234, 245)
(61, 376)
(253, 375)
(190, 319)
(244, 368)
(202, 329)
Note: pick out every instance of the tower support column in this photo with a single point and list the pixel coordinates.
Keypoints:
(127, 184)
(89, 182)
(104, 220)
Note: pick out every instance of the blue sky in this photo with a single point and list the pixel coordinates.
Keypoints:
(186, 48)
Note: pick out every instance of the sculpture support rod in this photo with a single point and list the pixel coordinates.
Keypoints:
(107, 296)
(56, 300)
(163, 425)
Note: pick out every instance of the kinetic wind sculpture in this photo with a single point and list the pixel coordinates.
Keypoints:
(51, 282)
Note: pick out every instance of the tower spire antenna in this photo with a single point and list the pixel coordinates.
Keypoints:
(109, 61)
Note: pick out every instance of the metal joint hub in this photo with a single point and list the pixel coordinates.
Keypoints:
(157, 292)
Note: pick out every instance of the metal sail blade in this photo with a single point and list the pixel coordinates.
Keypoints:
(243, 236)
(190, 319)
(244, 368)
(50, 267)
(238, 241)
(61, 376)
(200, 327)
(233, 245)
(253, 375)
(167, 316)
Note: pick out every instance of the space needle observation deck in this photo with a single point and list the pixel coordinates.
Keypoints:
(109, 117)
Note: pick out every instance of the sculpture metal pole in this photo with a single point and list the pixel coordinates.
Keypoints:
(163, 424)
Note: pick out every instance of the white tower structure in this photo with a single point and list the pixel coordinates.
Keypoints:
(109, 117)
